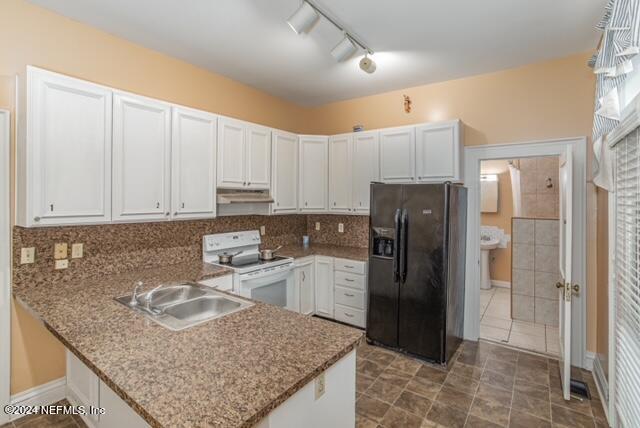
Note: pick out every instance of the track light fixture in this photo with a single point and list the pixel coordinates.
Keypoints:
(308, 13)
(344, 50)
(303, 19)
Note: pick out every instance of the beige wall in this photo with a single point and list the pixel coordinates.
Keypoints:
(547, 100)
(501, 257)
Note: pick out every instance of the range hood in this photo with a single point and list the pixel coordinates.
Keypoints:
(230, 196)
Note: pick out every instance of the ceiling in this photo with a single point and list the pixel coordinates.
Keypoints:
(416, 41)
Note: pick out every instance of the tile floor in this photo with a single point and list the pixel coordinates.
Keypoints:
(496, 325)
(48, 421)
(485, 385)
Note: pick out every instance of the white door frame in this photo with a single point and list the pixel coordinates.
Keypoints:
(5, 266)
(472, 158)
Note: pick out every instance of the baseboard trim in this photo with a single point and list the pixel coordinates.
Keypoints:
(601, 385)
(500, 284)
(41, 395)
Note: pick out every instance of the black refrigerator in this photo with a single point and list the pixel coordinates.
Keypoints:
(417, 244)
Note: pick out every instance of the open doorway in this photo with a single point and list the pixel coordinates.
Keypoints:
(519, 243)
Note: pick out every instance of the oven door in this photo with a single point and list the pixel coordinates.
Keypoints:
(274, 286)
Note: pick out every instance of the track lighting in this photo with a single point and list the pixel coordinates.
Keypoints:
(303, 19)
(344, 50)
(367, 64)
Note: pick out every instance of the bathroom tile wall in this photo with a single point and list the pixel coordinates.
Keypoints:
(534, 297)
(538, 199)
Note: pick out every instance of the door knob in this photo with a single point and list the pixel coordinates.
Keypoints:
(559, 285)
(575, 288)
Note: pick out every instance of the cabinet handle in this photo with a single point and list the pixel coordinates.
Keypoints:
(183, 205)
(157, 204)
(277, 204)
(348, 294)
(51, 207)
(167, 214)
(305, 204)
(348, 280)
(360, 203)
(348, 314)
(248, 183)
(175, 213)
(349, 267)
(36, 219)
(334, 204)
(304, 277)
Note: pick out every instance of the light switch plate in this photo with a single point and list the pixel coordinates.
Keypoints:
(262, 230)
(340, 227)
(27, 255)
(60, 250)
(62, 264)
(319, 386)
(77, 250)
(317, 225)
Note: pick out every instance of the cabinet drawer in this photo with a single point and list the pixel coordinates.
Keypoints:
(349, 280)
(349, 297)
(349, 315)
(351, 266)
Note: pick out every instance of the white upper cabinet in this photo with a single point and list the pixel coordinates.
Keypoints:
(285, 172)
(64, 166)
(365, 168)
(244, 155)
(193, 172)
(258, 157)
(340, 173)
(231, 153)
(397, 151)
(438, 148)
(314, 170)
(141, 158)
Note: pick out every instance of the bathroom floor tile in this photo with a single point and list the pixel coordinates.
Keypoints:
(493, 333)
(490, 321)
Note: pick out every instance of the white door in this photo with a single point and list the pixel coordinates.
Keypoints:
(307, 288)
(141, 158)
(313, 173)
(285, 172)
(324, 286)
(231, 153)
(193, 155)
(397, 155)
(340, 174)
(365, 169)
(438, 152)
(258, 157)
(566, 287)
(69, 146)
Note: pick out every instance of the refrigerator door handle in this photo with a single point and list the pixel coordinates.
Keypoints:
(403, 245)
(396, 247)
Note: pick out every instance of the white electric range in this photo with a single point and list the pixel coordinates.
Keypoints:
(269, 281)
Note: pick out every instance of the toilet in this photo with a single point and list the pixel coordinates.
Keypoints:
(487, 243)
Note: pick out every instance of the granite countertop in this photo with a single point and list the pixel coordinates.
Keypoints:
(351, 253)
(228, 372)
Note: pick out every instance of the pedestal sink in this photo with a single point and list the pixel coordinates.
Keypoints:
(487, 243)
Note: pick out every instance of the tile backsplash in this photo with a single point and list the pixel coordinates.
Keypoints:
(535, 270)
(115, 248)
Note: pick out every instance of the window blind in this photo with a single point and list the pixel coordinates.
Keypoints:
(627, 275)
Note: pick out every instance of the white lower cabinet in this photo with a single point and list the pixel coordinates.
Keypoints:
(84, 388)
(305, 285)
(350, 280)
(324, 286)
(336, 407)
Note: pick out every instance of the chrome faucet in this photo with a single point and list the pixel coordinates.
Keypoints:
(149, 300)
(134, 296)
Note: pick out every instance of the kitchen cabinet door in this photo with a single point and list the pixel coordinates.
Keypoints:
(397, 155)
(117, 413)
(141, 158)
(64, 167)
(340, 174)
(305, 280)
(83, 386)
(324, 286)
(285, 173)
(365, 167)
(231, 153)
(193, 155)
(438, 147)
(314, 171)
(258, 157)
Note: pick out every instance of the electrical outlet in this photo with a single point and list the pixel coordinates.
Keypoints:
(77, 251)
(340, 227)
(319, 386)
(60, 250)
(62, 264)
(317, 225)
(262, 230)
(27, 255)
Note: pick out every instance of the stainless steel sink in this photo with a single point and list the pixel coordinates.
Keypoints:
(184, 305)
